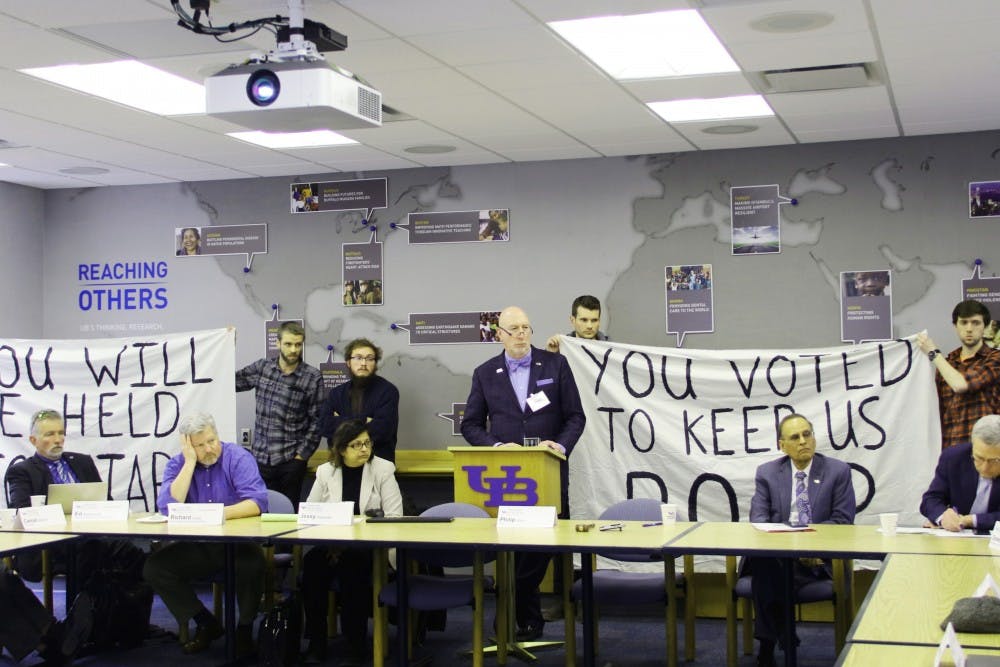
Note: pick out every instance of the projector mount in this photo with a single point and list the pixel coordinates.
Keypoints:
(298, 38)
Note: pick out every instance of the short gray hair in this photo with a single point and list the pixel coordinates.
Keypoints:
(196, 423)
(987, 429)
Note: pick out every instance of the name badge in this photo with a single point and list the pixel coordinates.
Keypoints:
(517, 516)
(42, 516)
(100, 510)
(326, 514)
(537, 401)
(195, 514)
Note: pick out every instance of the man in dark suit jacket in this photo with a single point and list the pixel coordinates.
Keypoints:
(827, 496)
(51, 464)
(521, 393)
(963, 493)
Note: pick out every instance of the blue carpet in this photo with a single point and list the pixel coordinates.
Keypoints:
(628, 638)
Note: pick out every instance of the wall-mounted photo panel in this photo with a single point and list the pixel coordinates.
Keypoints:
(865, 306)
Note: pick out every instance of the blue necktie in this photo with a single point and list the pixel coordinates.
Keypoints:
(802, 499)
(63, 473)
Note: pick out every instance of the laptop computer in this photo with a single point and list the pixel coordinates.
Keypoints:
(65, 494)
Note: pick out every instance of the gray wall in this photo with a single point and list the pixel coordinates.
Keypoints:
(22, 270)
(606, 227)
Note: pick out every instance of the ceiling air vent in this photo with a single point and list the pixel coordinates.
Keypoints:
(830, 77)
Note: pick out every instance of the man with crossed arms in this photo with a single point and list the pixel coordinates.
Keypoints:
(818, 490)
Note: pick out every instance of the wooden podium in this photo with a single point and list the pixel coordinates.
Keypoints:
(494, 476)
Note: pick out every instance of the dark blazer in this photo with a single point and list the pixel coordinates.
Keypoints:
(380, 403)
(31, 476)
(492, 413)
(954, 485)
(831, 494)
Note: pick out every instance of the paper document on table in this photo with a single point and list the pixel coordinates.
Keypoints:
(938, 532)
(780, 528)
(152, 518)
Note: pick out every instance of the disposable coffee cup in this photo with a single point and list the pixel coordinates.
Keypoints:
(37, 501)
(888, 521)
(668, 513)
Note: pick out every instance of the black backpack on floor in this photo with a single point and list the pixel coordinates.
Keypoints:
(279, 633)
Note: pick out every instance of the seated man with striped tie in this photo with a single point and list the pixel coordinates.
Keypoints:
(963, 493)
(51, 464)
(802, 487)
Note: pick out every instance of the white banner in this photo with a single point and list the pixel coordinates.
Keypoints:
(691, 426)
(123, 399)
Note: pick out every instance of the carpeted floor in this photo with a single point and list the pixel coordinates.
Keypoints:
(628, 638)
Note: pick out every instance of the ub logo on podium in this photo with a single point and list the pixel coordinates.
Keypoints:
(506, 490)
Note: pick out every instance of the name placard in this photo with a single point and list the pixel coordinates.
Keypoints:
(517, 516)
(42, 516)
(195, 514)
(326, 514)
(100, 510)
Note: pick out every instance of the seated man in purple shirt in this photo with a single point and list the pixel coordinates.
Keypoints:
(209, 471)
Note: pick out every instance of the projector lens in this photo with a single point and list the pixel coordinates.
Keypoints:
(263, 87)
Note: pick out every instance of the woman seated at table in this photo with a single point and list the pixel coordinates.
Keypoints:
(352, 474)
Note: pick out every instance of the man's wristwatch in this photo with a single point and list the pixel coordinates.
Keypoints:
(933, 353)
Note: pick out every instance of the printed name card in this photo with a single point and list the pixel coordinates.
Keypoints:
(42, 516)
(195, 514)
(518, 516)
(326, 514)
(100, 510)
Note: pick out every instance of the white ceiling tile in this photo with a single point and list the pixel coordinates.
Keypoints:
(405, 17)
(769, 133)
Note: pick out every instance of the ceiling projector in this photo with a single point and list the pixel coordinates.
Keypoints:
(292, 96)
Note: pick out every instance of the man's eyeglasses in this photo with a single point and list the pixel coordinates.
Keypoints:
(795, 437)
(357, 446)
(979, 460)
(358, 358)
(515, 330)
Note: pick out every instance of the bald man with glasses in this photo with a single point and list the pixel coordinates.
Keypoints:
(964, 493)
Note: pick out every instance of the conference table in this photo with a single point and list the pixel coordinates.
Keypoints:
(820, 541)
(484, 535)
(11, 542)
(866, 655)
(913, 593)
(251, 529)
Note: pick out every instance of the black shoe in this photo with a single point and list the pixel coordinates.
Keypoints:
(765, 654)
(64, 638)
(315, 653)
(204, 635)
(529, 633)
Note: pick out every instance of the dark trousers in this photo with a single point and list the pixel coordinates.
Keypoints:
(529, 570)
(285, 478)
(769, 591)
(25, 620)
(352, 570)
(172, 571)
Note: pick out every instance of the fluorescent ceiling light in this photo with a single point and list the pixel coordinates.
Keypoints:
(131, 83)
(649, 46)
(310, 139)
(719, 108)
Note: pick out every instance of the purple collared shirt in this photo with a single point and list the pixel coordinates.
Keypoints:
(231, 479)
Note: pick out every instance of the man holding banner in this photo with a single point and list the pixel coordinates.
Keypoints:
(525, 395)
(968, 379)
(286, 429)
(585, 316)
(802, 487)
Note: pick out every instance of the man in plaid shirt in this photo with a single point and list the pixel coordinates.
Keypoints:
(289, 394)
(968, 378)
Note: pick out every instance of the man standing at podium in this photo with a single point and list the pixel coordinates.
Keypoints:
(525, 396)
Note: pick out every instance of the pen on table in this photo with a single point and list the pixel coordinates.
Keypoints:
(652, 523)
